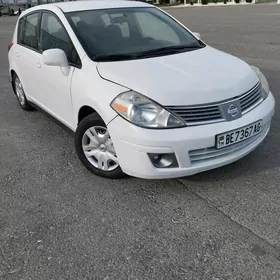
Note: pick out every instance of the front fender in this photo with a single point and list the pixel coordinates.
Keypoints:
(96, 93)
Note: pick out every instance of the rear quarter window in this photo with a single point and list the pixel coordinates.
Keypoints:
(20, 30)
(27, 31)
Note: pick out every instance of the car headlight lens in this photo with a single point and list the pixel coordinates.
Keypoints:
(144, 112)
(263, 80)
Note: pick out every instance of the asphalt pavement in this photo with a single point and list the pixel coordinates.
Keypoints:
(59, 222)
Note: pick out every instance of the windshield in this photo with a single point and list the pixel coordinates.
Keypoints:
(130, 33)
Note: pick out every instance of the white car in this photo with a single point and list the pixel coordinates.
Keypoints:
(143, 94)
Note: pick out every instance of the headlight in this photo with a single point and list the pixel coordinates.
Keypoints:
(263, 80)
(144, 112)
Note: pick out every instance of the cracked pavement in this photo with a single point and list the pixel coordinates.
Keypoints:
(58, 221)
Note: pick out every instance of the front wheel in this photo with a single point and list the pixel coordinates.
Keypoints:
(95, 148)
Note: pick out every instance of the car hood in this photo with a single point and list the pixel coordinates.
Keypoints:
(196, 77)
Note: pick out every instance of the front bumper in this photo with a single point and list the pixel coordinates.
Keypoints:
(132, 144)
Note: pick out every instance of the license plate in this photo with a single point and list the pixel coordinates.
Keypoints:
(234, 136)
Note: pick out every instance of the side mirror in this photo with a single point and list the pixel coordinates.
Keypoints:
(197, 35)
(57, 57)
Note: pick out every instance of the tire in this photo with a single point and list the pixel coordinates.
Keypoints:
(19, 91)
(95, 148)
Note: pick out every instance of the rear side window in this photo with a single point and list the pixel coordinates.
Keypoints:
(27, 31)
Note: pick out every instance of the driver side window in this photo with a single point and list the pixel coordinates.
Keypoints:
(53, 35)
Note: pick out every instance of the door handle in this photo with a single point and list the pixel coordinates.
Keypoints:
(38, 64)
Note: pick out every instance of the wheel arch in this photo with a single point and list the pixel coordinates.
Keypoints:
(12, 73)
(87, 108)
(85, 111)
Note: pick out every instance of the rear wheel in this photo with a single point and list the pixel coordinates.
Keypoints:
(23, 102)
(95, 148)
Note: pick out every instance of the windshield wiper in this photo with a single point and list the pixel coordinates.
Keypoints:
(114, 57)
(153, 52)
(169, 50)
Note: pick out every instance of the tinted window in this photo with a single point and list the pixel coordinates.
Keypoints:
(53, 35)
(128, 31)
(28, 31)
(21, 30)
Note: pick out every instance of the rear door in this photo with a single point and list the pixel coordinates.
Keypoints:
(26, 53)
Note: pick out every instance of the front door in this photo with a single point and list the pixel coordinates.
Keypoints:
(54, 93)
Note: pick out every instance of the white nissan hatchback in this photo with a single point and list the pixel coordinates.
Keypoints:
(143, 94)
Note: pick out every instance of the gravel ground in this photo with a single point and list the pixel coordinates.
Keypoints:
(57, 221)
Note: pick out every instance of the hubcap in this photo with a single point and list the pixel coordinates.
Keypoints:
(98, 148)
(19, 91)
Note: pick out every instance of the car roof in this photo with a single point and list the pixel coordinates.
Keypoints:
(73, 6)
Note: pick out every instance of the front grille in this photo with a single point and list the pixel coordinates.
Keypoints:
(198, 115)
(206, 155)
(250, 99)
(206, 114)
